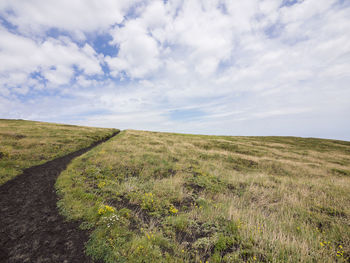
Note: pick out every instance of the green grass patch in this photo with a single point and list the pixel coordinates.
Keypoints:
(165, 197)
(27, 143)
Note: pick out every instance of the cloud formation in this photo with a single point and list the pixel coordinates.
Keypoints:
(220, 67)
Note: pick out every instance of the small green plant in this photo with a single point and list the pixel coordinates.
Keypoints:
(101, 184)
(148, 202)
(111, 220)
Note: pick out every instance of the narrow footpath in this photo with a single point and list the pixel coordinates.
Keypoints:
(31, 228)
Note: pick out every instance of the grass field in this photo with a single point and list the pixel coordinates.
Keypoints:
(27, 143)
(161, 197)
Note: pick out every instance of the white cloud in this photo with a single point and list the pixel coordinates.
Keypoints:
(242, 14)
(241, 67)
(36, 16)
(138, 52)
(54, 59)
(203, 34)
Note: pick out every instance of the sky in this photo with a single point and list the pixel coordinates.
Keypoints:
(252, 67)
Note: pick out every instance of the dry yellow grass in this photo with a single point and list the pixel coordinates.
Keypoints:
(237, 199)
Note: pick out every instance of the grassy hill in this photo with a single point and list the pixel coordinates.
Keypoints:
(161, 197)
(27, 143)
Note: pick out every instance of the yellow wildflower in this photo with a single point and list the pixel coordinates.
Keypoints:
(109, 208)
(101, 185)
(106, 209)
(173, 209)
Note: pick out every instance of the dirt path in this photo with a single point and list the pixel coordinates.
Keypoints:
(31, 229)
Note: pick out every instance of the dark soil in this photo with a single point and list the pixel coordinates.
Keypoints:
(31, 228)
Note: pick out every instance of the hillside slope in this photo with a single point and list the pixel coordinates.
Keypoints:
(27, 143)
(161, 197)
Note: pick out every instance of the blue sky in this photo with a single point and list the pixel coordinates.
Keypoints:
(253, 67)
